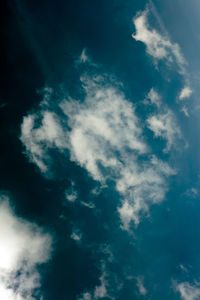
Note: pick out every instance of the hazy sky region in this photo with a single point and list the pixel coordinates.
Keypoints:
(100, 163)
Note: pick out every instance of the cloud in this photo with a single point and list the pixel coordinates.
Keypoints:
(106, 138)
(187, 291)
(185, 93)
(152, 98)
(103, 134)
(23, 246)
(84, 57)
(142, 186)
(164, 125)
(191, 192)
(184, 109)
(89, 205)
(158, 46)
(38, 134)
(71, 194)
(140, 285)
(104, 124)
(100, 291)
(76, 236)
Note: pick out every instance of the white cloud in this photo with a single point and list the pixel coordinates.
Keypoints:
(187, 291)
(142, 186)
(164, 125)
(140, 285)
(38, 139)
(89, 205)
(107, 134)
(185, 93)
(71, 196)
(84, 57)
(192, 192)
(158, 46)
(183, 268)
(100, 291)
(152, 98)
(106, 138)
(103, 124)
(184, 109)
(23, 246)
(86, 296)
(76, 236)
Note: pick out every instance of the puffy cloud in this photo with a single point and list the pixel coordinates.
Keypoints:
(164, 125)
(104, 135)
(23, 246)
(186, 92)
(158, 46)
(188, 291)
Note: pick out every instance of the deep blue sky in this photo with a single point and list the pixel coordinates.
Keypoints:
(94, 254)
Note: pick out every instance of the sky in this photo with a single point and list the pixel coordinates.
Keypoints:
(100, 165)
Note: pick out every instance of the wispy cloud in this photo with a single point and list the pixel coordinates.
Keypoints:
(188, 291)
(39, 137)
(152, 97)
(104, 135)
(71, 194)
(76, 235)
(23, 246)
(164, 125)
(158, 46)
(140, 285)
(84, 57)
(99, 291)
(184, 109)
(107, 139)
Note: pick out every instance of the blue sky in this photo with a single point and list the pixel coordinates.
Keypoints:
(100, 150)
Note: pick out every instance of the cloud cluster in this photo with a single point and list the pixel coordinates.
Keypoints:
(104, 136)
(158, 46)
(23, 246)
